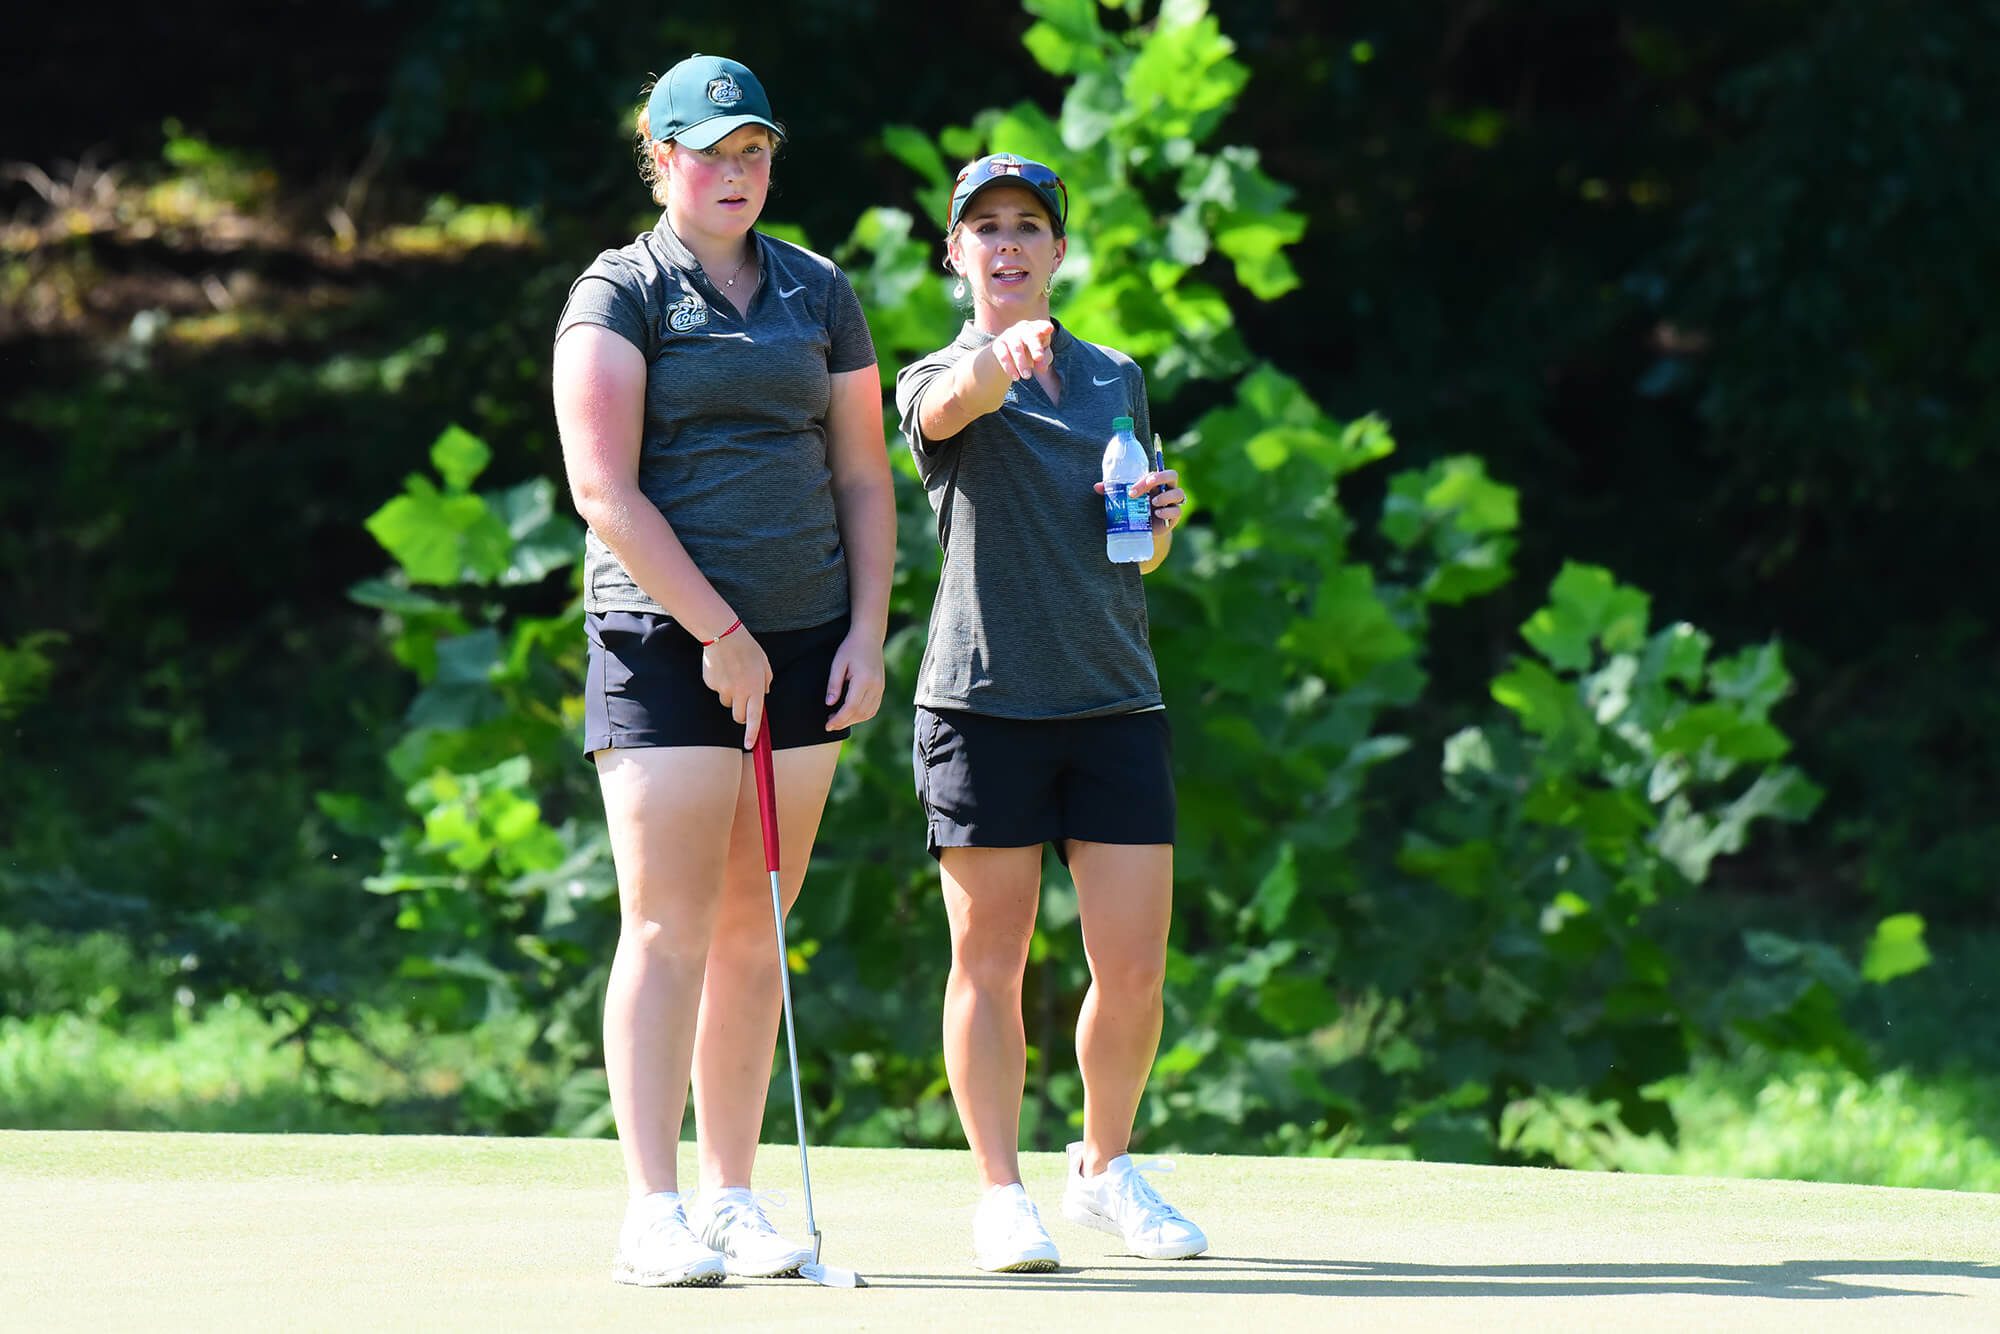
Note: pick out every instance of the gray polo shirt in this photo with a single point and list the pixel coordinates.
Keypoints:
(1031, 620)
(733, 450)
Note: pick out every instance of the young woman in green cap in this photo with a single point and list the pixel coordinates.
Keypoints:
(1039, 714)
(720, 413)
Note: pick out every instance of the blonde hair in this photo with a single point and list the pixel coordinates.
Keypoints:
(649, 164)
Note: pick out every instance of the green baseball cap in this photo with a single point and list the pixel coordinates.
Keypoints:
(703, 99)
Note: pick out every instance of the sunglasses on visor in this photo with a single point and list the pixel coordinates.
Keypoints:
(1001, 169)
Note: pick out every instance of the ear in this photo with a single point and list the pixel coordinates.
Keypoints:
(663, 150)
(1062, 248)
(953, 259)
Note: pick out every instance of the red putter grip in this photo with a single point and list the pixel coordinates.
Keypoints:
(767, 794)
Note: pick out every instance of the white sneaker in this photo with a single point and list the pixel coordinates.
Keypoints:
(656, 1250)
(732, 1221)
(1008, 1236)
(1122, 1202)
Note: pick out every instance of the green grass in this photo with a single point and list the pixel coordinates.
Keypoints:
(229, 1068)
(363, 1232)
(1806, 1122)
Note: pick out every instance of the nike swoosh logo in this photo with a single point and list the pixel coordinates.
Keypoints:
(1096, 381)
(783, 295)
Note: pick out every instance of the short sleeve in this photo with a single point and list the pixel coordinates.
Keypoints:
(599, 298)
(852, 346)
(911, 382)
(1142, 411)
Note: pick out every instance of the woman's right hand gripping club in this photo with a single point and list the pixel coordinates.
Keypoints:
(735, 668)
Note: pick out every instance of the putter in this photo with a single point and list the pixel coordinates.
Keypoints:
(827, 1276)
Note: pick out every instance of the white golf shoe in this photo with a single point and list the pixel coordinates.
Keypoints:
(1008, 1236)
(656, 1249)
(732, 1221)
(1119, 1200)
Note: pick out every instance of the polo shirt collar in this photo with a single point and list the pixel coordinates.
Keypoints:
(675, 251)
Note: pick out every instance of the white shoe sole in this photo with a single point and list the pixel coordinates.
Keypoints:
(1084, 1216)
(698, 1276)
(786, 1268)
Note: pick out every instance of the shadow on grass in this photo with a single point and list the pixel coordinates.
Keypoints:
(1224, 1275)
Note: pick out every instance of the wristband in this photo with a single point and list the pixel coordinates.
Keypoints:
(734, 626)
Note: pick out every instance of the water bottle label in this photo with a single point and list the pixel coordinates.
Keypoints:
(1138, 514)
(1125, 512)
(1114, 507)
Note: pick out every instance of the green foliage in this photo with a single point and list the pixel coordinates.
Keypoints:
(95, 975)
(1896, 949)
(1801, 1121)
(1149, 199)
(231, 1067)
(25, 668)
(502, 893)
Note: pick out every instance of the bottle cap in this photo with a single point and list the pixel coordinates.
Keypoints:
(1121, 423)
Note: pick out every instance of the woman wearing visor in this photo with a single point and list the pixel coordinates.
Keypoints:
(720, 413)
(1039, 715)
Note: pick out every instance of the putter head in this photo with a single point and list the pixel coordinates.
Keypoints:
(832, 1276)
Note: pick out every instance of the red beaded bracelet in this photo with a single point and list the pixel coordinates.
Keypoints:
(734, 626)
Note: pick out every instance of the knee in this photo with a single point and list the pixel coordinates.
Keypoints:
(653, 939)
(1131, 978)
(745, 948)
(990, 961)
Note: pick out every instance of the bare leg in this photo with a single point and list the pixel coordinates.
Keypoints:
(1124, 895)
(739, 1001)
(668, 812)
(990, 897)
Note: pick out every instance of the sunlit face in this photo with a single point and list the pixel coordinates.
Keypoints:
(719, 190)
(1007, 250)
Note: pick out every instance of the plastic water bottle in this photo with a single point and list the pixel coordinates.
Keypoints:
(1128, 519)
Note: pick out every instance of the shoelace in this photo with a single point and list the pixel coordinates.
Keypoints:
(1137, 1192)
(1021, 1210)
(737, 1212)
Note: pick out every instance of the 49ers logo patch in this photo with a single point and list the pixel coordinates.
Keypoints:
(690, 312)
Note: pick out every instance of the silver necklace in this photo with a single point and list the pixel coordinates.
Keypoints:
(739, 266)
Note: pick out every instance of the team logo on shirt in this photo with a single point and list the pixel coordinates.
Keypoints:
(725, 91)
(690, 312)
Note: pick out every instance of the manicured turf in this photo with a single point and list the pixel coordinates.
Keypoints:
(250, 1232)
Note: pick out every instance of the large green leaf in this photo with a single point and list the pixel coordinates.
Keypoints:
(459, 457)
(1586, 604)
(1350, 631)
(1546, 704)
(1271, 904)
(1896, 949)
(440, 539)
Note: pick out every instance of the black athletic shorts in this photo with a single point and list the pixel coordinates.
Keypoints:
(642, 686)
(1008, 783)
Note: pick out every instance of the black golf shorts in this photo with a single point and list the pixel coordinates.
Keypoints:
(642, 686)
(1008, 783)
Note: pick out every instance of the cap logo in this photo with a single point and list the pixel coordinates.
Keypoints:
(690, 312)
(725, 91)
(1006, 166)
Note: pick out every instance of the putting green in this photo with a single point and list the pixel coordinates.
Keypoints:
(246, 1232)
